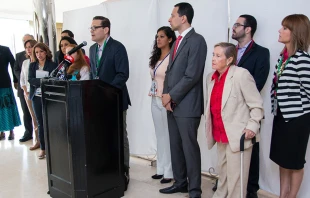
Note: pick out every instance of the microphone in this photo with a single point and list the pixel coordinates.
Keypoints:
(62, 68)
(65, 63)
(77, 48)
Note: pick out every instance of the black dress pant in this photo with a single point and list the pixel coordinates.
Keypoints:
(254, 170)
(27, 120)
(185, 153)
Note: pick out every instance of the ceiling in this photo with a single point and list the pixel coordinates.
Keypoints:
(23, 9)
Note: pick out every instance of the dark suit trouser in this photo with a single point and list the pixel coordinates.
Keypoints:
(27, 117)
(185, 153)
(254, 170)
(37, 107)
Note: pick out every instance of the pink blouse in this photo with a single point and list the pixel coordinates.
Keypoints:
(160, 75)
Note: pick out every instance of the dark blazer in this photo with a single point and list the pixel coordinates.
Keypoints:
(6, 57)
(20, 57)
(184, 76)
(113, 68)
(36, 82)
(257, 62)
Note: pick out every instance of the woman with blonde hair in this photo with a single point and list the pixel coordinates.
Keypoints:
(290, 99)
(234, 107)
(26, 87)
(79, 70)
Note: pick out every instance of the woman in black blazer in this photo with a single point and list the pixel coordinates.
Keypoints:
(43, 62)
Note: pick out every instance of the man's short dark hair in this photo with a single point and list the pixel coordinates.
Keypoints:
(187, 10)
(69, 33)
(250, 21)
(105, 22)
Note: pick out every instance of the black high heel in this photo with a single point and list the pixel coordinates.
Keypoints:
(11, 137)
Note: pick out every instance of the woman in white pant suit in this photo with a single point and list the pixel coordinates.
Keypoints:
(158, 66)
(234, 107)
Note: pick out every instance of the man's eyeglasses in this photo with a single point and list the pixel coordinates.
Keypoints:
(238, 24)
(93, 28)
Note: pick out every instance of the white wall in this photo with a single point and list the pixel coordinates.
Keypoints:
(134, 23)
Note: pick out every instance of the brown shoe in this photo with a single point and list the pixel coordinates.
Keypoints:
(34, 147)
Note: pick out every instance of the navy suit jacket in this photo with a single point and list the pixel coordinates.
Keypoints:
(113, 67)
(257, 61)
(36, 82)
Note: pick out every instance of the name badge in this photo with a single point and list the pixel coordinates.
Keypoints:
(153, 90)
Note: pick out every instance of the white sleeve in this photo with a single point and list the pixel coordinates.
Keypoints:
(84, 72)
(22, 74)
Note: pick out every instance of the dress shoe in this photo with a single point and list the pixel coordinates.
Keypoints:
(173, 189)
(165, 181)
(157, 176)
(25, 139)
(251, 195)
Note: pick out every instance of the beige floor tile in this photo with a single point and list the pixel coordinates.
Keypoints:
(23, 175)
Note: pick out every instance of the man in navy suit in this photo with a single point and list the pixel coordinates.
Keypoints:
(256, 60)
(20, 57)
(109, 63)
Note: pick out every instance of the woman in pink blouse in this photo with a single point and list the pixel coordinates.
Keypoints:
(159, 61)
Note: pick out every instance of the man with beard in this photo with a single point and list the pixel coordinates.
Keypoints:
(256, 60)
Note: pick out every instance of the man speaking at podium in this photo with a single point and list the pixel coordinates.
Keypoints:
(109, 63)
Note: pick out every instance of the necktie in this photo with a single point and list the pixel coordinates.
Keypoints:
(176, 46)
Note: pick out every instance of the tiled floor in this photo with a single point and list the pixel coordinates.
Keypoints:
(23, 175)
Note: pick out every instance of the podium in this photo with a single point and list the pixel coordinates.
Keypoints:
(83, 128)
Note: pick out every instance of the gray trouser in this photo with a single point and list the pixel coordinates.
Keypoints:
(126, 142)
(185, 153)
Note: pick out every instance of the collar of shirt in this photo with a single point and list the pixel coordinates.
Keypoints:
(216, 74)
(184, 34)
(100, 48)
(241, 51)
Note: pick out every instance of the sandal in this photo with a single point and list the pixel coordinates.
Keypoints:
(34, 147)
(41, 155)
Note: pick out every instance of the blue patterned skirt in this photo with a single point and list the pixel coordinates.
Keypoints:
(9, 117)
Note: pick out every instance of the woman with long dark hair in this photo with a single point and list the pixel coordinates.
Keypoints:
(42, 65)
(63, 43)
(159, 61)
